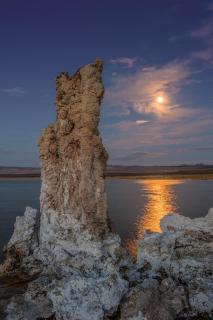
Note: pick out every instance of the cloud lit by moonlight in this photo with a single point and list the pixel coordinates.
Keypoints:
(161, 103)
(150, 90)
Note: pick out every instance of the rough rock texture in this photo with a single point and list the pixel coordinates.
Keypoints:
(66, 264)
(174, 271)
(76, 258)
(172, 278)
(74, 159)
(154, 299)
(87, 287)
(23, 241)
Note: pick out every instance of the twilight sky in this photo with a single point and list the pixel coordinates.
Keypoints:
(158, 75)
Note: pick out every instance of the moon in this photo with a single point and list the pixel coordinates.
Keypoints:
(160, 99)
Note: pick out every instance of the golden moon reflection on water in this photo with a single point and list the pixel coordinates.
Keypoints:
(160, 200)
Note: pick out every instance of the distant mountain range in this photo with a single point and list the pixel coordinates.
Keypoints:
(19, 171)
(118, 170)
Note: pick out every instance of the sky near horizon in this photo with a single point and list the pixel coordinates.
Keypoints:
(158, 75)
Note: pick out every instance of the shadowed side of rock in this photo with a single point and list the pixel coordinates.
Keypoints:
(23, 241)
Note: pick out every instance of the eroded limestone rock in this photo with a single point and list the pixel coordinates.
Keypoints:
(73, 159)
(82, 263)
(23, 241)
(154, 300)
(180, 261)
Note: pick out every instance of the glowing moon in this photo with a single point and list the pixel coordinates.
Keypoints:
(160, 99)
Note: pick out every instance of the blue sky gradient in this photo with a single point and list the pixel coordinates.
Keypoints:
(151, 48)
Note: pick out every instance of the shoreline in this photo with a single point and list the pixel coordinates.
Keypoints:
(165, 175)
(126, 175)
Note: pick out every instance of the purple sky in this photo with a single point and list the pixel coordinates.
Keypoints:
(158, 75)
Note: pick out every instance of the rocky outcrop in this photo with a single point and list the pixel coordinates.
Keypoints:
(67, 264)
(87, 287)
(77, 259)
(23, 241)
(173, 276)
(73, 159)
(73, 200)
(171, 280)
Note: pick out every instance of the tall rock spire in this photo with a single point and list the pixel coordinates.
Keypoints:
(73, 159)
(73, 262)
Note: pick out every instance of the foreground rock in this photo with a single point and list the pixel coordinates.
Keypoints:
(174, 272)
(66, 264)
(23, 241)
(172, 279)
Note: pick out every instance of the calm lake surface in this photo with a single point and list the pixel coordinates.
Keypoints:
(134, 205)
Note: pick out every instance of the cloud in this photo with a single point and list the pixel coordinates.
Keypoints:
(202, 148)
(176, 38)
(140, 122)
(166, 156)
(141, 90)
(205, 31)
(192, 129)
(205, 34)
(210, 6)
(137, 157)
(205, 54)
(14, 156)
(124, 61)
(14, 92)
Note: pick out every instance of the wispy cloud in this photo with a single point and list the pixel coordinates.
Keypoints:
(195, 128)
(203, 32)
(137, 157)
(205, 54)
(140, 122)
(150, 90)
(14, 92)
(176, 38)
(124, 61)
(210, 6)
(203, 148)
(14, 157)
(160, 157)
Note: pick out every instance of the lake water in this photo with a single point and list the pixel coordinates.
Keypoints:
(134, 205)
